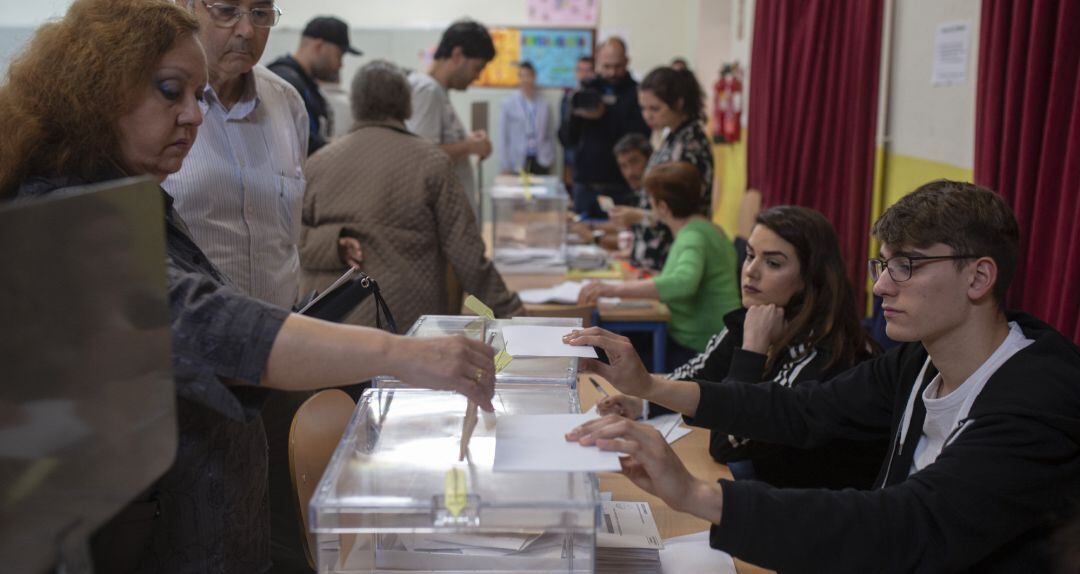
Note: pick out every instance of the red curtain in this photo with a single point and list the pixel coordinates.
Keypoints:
(1027, 146)
(813, 111)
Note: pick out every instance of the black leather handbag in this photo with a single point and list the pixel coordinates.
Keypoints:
(343, 296)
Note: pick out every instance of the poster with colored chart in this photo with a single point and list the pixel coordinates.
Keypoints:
(502, 71)
(554, 53)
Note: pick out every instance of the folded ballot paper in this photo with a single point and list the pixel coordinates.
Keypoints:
(542, 341)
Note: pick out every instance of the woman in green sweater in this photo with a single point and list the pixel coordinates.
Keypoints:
(699, 280)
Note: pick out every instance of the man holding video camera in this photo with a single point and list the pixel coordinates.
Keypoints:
(602, 112)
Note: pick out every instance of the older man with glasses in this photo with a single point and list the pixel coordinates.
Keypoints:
(241, 191)
(242, 186)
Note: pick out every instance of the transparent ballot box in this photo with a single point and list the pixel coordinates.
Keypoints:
(534, 371)
(529, 228)
(395, 498)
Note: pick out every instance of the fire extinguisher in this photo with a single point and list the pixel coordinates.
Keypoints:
(727, 105)
(720, 102)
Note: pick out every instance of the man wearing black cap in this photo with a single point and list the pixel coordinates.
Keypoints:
(323, 44)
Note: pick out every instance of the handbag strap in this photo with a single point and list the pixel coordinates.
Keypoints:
(381, 308)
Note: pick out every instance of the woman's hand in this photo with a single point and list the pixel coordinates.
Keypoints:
(652, 465)
(624, 217)
(763, 327)
(626, 372)
(621, 405)
(450, 363)
(593, 291)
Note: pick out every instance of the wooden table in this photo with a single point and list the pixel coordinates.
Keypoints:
(656, 311)
(650, 316)
(693, 449)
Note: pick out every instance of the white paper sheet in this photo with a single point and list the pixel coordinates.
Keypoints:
(537, 443)
(542, 341)
(691, 554)
(951, 46)
(670, 426)
(566, 293)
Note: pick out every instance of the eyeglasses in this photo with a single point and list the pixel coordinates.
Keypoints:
(228, 15)
(900, 267)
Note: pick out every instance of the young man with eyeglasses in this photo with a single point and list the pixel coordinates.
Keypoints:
(982, 407)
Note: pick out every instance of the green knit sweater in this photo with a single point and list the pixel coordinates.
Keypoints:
(699, 283)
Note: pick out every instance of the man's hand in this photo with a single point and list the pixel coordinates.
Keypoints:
(480, 144)
(652, 465)
(762, 328)
(626, 372)
(450, 363)
(349, 252)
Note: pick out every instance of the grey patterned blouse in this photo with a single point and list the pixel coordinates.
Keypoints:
(652, 240)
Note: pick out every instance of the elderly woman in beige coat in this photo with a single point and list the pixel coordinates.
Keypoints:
(396, 195)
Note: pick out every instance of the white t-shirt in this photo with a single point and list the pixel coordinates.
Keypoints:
(434, 119)
(945, 414)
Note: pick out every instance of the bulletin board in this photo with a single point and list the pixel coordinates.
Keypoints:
(554, 53)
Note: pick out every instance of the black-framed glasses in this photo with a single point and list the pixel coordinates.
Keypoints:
(227, 15)
(900, 267)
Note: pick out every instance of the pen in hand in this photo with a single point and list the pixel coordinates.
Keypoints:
(599, 389)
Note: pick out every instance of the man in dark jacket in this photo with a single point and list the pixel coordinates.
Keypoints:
(981, 407)
(323, 44)
(602, 112)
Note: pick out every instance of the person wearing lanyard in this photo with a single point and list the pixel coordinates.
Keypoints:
(525, 143)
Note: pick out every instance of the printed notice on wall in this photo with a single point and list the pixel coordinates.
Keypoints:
(951, 46)
(563, 12)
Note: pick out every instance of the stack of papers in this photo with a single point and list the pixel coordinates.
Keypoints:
(627, 540)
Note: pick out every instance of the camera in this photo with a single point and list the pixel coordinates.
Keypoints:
(586, 99)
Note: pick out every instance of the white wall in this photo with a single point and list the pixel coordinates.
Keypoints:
(925, 121)
(656, 30)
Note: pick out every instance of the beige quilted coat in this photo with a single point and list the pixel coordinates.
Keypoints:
(399, 196)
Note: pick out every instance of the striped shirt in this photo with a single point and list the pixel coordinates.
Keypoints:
(241, 188)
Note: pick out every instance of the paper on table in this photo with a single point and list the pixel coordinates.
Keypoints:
(536, 443)
(566, 293)
(692, 554)
(670, 426)
(542, 341)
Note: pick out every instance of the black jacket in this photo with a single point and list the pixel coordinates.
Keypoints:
(840, 463)
(594, 140)
(318, 110)
(987, 504)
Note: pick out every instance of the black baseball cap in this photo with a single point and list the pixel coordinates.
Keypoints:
(331, 30)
